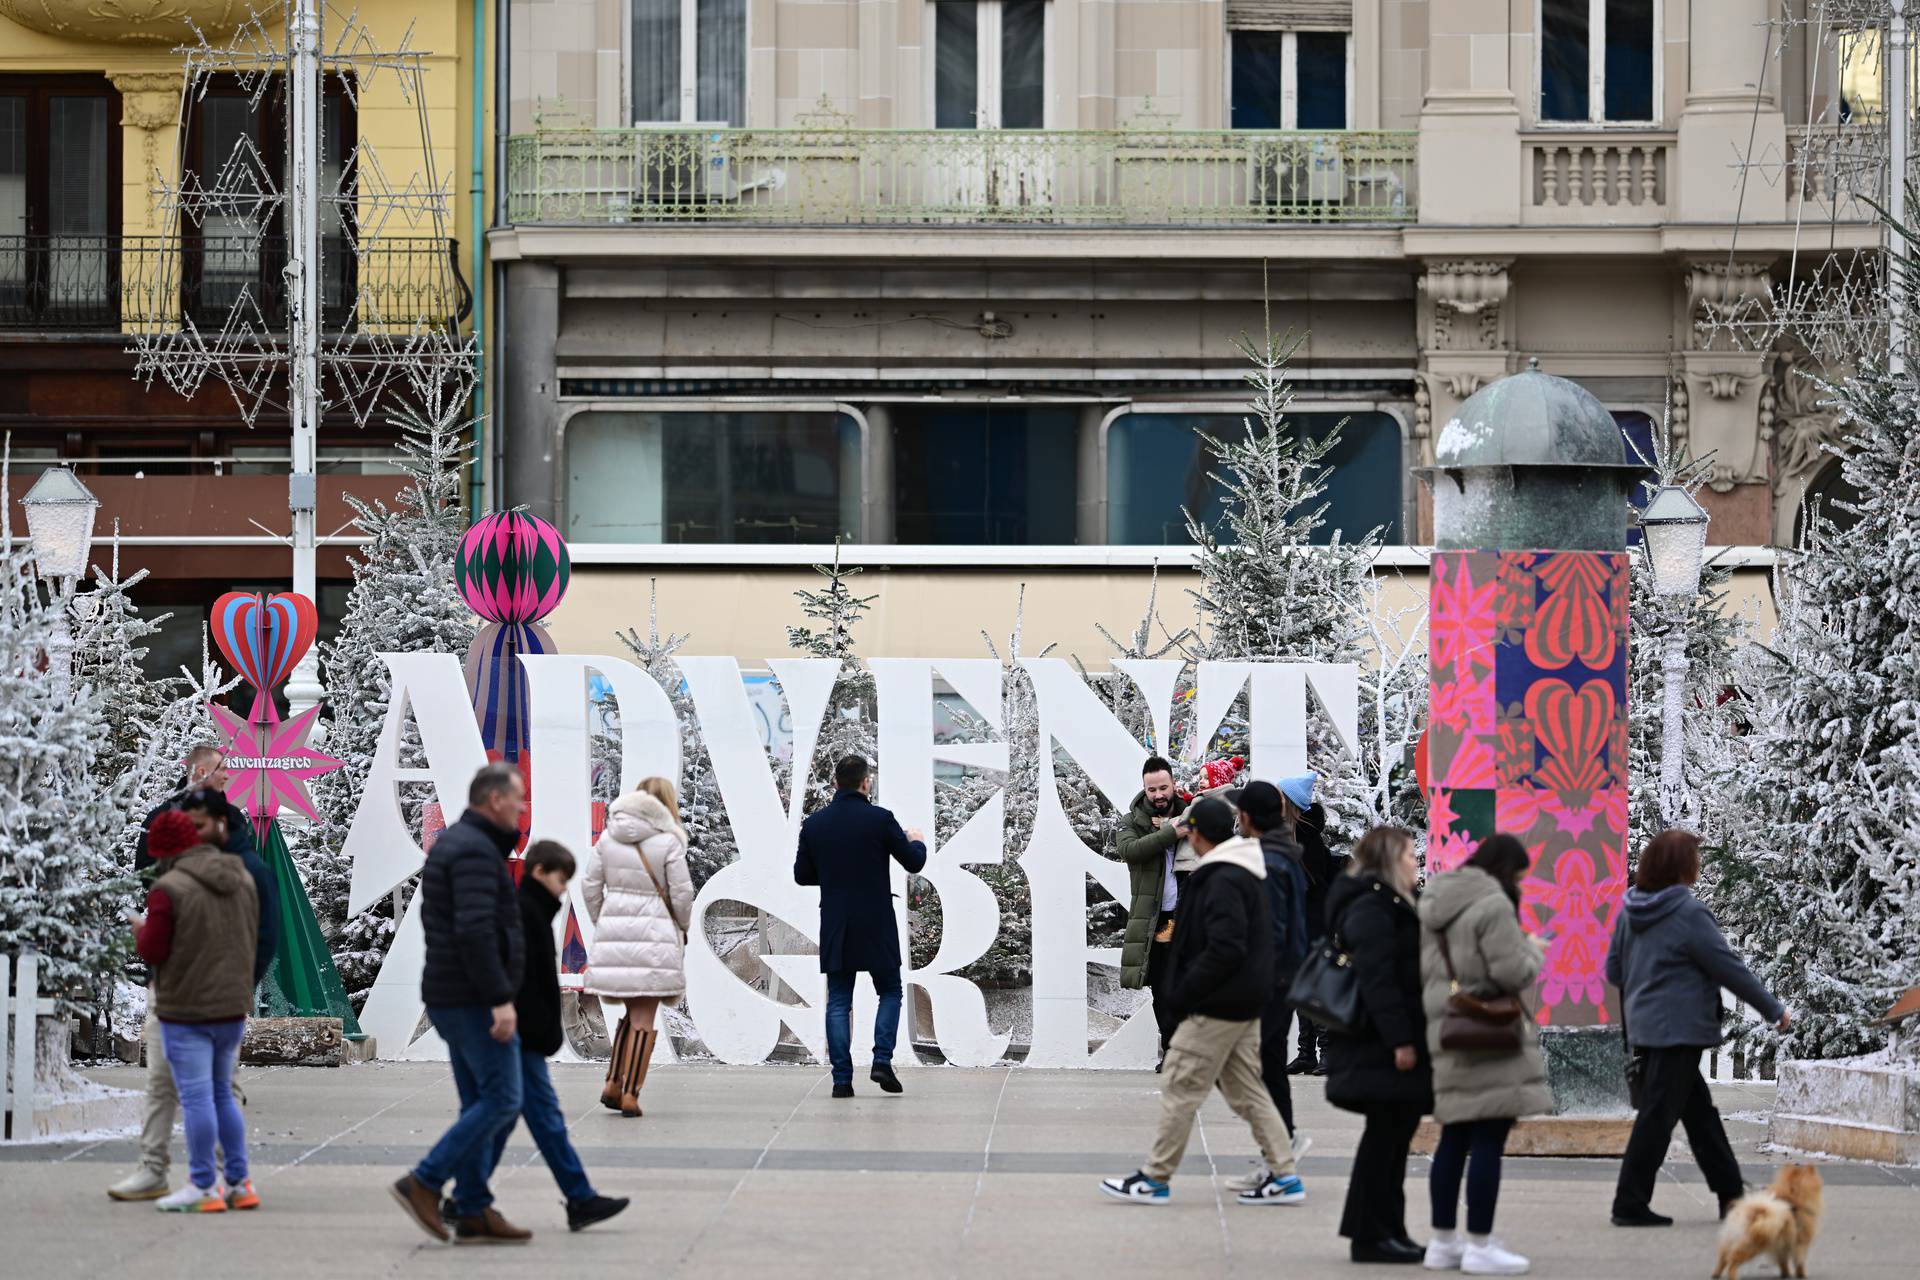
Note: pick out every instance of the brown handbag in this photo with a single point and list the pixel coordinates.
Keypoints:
(1470, 1022)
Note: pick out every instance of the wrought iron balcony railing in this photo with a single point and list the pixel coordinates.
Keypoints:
(68, 284)
(832, 175)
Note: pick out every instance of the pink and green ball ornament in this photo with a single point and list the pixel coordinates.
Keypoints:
(513, 567)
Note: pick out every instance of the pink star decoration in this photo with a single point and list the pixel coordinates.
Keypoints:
(270, 763)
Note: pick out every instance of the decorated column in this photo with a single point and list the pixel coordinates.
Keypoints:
(1528, 684)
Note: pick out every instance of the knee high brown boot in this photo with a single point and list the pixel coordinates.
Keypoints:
(622, 1047)
(636, 1074)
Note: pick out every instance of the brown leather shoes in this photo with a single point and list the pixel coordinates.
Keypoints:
(489, 1228)
(420, 1204)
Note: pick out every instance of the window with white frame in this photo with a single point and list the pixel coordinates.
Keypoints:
(989, 64)
(689, 61)
(1598, 61)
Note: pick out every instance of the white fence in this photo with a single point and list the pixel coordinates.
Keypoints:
(19, 1012)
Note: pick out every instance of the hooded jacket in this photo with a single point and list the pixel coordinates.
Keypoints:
(1670, 961)
(1221, 964)
(1492, 956)
(475, 949)
(1380, 933)
(240, 843)
(537, 1005)
(637, 948)
(202, 918)
(1144, 847)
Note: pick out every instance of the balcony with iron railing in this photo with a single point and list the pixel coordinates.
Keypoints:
(826, 175)
(108, 284)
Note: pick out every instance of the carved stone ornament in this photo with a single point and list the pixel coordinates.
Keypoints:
(1804, 429)
(1722, 295)
(168, 23)
(1455, 386)
(1466, 295)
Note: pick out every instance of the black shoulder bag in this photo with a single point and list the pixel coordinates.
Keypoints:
(1636, 1058)
(1327, 989)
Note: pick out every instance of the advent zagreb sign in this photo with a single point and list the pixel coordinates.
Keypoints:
(738, 1022)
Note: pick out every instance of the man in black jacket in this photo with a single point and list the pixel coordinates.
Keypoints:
(1220, 980)
(475, 957)
(543, 886)
(844, 849)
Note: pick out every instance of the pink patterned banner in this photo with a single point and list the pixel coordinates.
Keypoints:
(1528, 735)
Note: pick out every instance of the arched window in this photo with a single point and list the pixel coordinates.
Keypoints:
(1158, 463)
(1833, 496)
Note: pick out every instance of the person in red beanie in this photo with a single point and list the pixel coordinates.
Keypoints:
(198, 934)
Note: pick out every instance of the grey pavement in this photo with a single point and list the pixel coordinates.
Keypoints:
(756, 1170)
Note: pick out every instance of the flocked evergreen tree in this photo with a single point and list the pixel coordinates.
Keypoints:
(63, 812)
(849, 728)
(403, 601)
(1270, 590)
(1819, 879)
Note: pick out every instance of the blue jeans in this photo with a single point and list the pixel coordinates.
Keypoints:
(1470, 1149)
(201, 1056)
(540, 1107)
(487, 1073)
(886, 1022)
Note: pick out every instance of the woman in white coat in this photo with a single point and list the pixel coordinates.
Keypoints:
(640, 898)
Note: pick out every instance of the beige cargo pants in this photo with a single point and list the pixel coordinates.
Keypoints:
(1205, 1052)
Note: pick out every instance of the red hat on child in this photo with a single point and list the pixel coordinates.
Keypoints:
(172, 833)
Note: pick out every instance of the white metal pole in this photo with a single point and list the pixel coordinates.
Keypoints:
(303, 294)
(1898, 68)
(1673, 737)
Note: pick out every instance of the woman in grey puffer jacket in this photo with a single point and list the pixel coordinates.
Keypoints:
(1478, 1093)
(1670, 961)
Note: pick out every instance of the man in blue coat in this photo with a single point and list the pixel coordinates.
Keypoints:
(844, 849)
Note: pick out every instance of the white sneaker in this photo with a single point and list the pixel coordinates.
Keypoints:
(142, 1184)
(1302, 1144)
(1492, 1259)
(1445, 1255)
(192, 1199)
(1253, 1180)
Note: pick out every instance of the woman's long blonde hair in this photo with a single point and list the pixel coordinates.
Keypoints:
(662, 790)
(1378, 853)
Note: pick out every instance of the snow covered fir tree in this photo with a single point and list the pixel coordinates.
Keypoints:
(834, 610)
(1819, 878)
(403, 600)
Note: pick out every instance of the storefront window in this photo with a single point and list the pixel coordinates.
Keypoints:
(1158, 463)
(759, 477)
(985, 475)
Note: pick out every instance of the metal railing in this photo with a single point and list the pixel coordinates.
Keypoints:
(53, 284)
(832, 175)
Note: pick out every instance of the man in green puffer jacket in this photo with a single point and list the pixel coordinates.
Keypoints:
(1149, 842)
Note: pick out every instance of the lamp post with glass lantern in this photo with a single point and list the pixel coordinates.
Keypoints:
(60, 513)
(1673, 531)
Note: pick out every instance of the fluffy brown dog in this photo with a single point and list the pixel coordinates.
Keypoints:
(1781, 1220)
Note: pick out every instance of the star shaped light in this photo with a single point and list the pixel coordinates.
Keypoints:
(270, 763)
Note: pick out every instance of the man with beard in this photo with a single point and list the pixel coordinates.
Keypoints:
(1151, 842)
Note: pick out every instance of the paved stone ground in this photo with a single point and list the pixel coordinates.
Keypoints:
(758, 1172)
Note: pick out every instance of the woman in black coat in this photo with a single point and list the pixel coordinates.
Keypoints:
(1382, 1071)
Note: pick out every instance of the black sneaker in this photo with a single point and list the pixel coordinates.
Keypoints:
(1641, 1218)
(888, 1082)
(582, 1214)
(1137, 1188)
(1301, 1065)
(843, 1090)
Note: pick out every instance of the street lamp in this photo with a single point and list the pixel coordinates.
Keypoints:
(60, 512)
(1673, 531)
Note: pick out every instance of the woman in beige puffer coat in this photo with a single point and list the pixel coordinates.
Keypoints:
(1478, 1093)
(640, 897)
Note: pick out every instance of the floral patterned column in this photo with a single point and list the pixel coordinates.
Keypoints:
(1528, 735)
